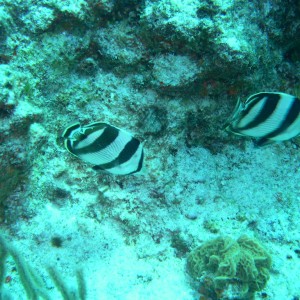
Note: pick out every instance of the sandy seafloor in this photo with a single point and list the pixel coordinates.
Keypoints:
(131, 235)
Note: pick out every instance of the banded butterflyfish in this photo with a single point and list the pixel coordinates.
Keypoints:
(270, 117)
(107, 147)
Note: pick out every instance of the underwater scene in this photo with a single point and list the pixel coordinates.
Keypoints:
(149, 150)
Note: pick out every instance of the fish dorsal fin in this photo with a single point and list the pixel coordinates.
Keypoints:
(90, 128)
(96, 125)
(238, 107)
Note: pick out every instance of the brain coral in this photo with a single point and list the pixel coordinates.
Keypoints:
(230, 269)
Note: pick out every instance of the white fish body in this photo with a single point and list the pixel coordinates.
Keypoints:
(268, 116)
(107, 147)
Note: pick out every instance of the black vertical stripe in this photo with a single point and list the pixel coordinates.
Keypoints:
(128, 151)
(69, 147)
(140, 163)
(106, 166)
(108, 136)
(66, 134)
(290, 118)
(266, 111)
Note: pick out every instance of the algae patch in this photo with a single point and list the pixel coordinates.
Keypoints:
(230, 269)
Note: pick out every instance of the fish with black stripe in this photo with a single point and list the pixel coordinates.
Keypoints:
(270, 117)
(105, 146)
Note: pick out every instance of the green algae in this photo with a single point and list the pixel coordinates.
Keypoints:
(242, 266)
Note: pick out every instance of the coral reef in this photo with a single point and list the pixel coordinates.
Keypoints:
(229, 269)
(119, 44)
(173, 73)
(170, 73)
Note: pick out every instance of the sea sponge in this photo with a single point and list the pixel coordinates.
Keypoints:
(229, 269)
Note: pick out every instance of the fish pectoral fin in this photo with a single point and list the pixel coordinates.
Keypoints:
(263, 142)
(226, 126)
(98, 168)
(231, 130)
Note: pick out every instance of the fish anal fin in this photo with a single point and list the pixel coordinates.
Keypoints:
(264, 142)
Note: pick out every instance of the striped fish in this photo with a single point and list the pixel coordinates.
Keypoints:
(270, 117)
(107, 147)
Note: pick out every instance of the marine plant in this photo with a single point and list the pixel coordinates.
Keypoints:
(229, 269)
(31, 281)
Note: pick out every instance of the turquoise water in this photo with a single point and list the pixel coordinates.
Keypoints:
(169, 73)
